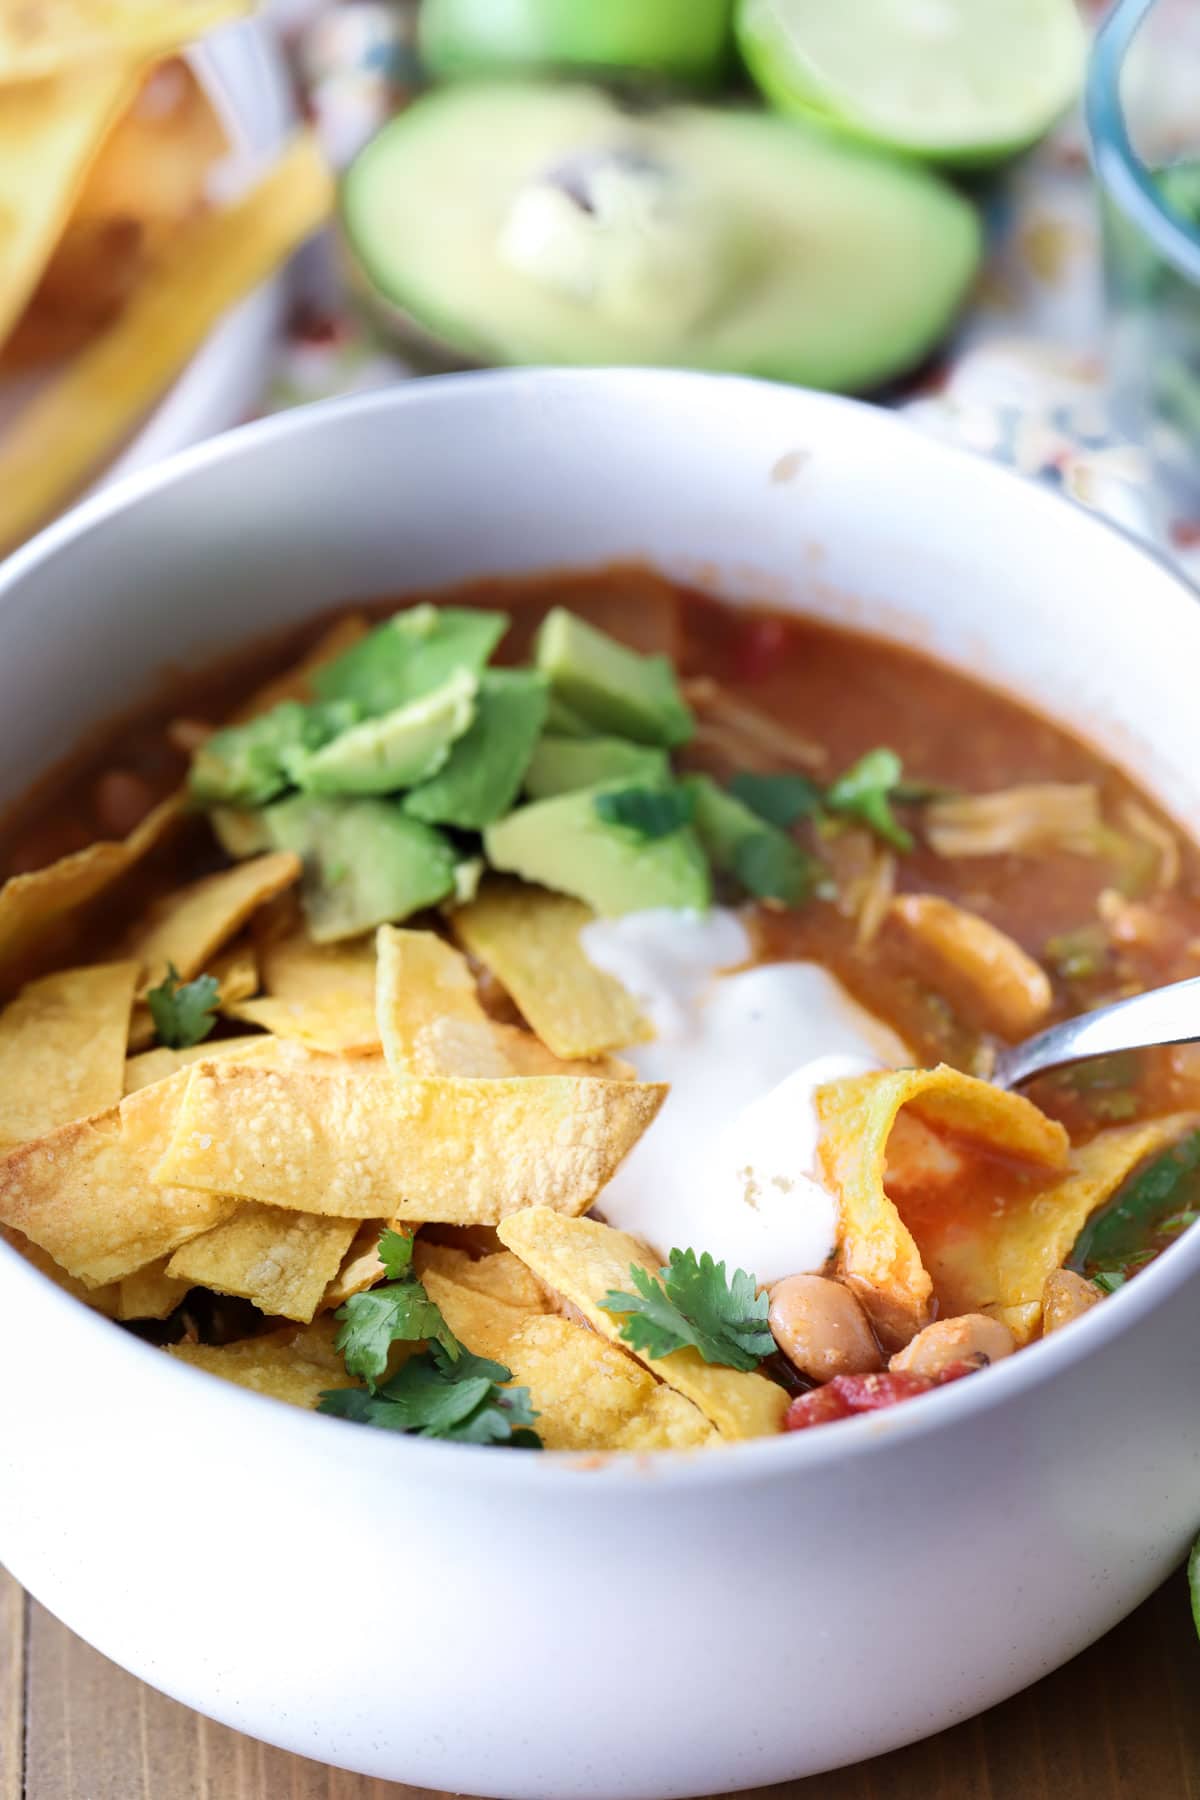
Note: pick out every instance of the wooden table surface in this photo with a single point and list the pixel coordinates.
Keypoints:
(1122, 1722)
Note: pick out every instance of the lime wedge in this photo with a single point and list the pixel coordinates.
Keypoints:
(963, 81)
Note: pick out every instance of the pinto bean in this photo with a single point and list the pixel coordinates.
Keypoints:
(821, 1328)
(972, 1338)
(1065, 1296)
(122, 800)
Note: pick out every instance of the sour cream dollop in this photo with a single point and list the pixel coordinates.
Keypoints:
(730, 1165)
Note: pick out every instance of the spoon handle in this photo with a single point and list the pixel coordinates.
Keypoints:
(1166, 1015)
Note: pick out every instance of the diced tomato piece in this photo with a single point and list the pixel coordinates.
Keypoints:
(868, 1393)
(757, 650)
(955, 1372)
(819, 1407)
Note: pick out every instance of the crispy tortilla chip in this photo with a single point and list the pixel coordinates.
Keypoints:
(150, 1293)
(281, 1261)
(323, 996)
(878, 1257)
(84, 1193)
(361, 1267)
(352, 1143)
(529, 939)
(32, 905)
(581, 1260)
(38, 37)
(62, 1049)
(297, 1369)
(432, 1023)
(157, 1065)
(998, 1261)
(591, 1396)
(501, 1275)
(191, 925)
(297, 683)
(82, 413)
(50, 131)
(104, 1300)
(484, 1324)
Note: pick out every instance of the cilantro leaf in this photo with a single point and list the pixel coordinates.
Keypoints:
(694, 1303)
(773, 867)
(184, 1012)
(781, 800)
(459, 1399)
(865, 792)
(399, 1311)
(649, 813)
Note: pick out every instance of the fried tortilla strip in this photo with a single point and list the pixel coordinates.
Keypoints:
(150, 1293)
(323, 996)
(32, 905)
(76, 418)
(591, 1396)
(581, 1260)
(157, 1065)
(352, 1143)
(297, 683)
(191, 924)
(42, 36)
(62, 1049)
(529, 939)
(281, 1261)
(84, 1193)
(878, 1256)
(296, 1368)
(361, 1267)
(104, 1300)
(484, 1324)
(502, 1275)
(50, 131)
(1001, 1262)
(431, 1021)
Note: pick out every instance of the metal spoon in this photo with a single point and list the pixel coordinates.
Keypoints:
(1166, 1015)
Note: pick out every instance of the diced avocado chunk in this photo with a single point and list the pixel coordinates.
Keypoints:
(395, 750)
(365, 862)
(412, 654)
(482, 776)
(767, 862)
(564, 844)
(561, 764)
(612, 687)
(240, 834)
(564, 721)
(246, 765)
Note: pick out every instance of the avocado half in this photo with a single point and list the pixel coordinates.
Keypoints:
(525, 223)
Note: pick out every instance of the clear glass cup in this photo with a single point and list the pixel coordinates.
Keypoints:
(1143, 107)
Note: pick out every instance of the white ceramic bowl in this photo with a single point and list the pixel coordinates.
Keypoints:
(535, 1625)
(245, 79)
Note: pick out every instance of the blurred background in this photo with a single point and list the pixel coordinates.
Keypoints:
(210, 211)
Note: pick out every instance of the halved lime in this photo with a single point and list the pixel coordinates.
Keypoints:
(683, 40)
(964, 81)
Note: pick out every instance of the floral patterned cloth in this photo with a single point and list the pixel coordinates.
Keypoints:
(1024, 381)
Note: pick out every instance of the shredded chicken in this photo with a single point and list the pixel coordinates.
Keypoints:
(1045, 815)
(743, 735)
(1143, 825)
(873, 895)
(973, 959)
(1152, 926)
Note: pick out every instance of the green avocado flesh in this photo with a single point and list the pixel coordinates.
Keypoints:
(685, 39)
(561, 764)
(365, 862)
(522, 223)
(564, 844)
(410, 655)
(483, 775)
(396, 749)
(614, 688)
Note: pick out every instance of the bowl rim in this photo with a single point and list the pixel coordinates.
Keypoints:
(750, 1460)
(1118, 168)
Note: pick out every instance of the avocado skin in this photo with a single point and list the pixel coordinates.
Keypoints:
(688, 40)
(561, 764)
(365, 862)
(612, 687)
(564, 844)
(483, 774)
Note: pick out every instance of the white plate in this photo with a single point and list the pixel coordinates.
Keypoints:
(246, 82)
